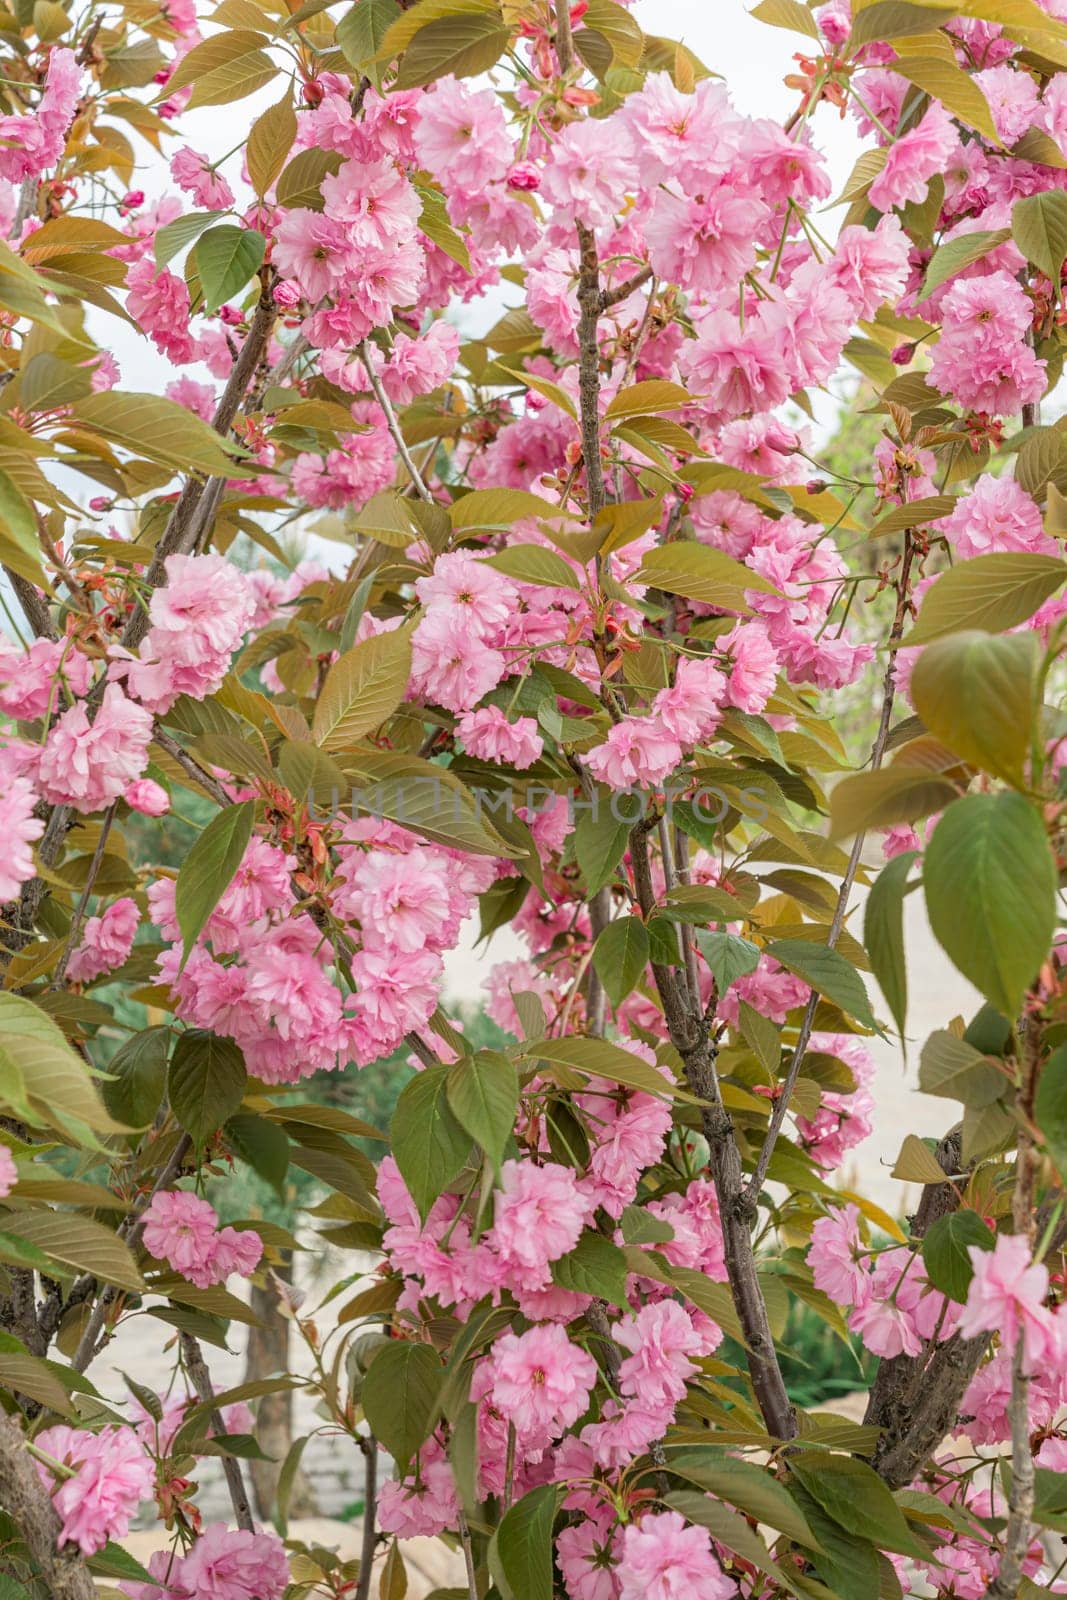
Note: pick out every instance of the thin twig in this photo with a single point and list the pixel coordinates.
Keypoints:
(80, 909)
(807, 1021)
(200, 1378)
(394, 425)
(370, 1517)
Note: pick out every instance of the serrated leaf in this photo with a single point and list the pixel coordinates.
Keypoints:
(270, 140)
(952, 257)
(596, 1267)
(700, 573)
(263, 1145)
(600, 842)
(917, 1163)
(1050, 1107)
(1039, 228)
(829, 973)
(206, 1082)
(400, 1396)
(226, 257)
(362, 689)
(954, 1069)
(745, 1485)
(914, 515)
(957, 91)
(597, 1058)
(78, 1242)
(850, 1492)
(946, 1246)
(429, 1143)
(646, 399)
(163, 431)
(990, 882)
(209, 869)
(172, 239)
(138, 1077)
(532, 563)
(976, 692)
(993, 592)
(520, 1554)
(483, 1092)
(729, 956)
(361, 31)
(620, 957)
(894, 794)
(883, 934)
(463, 45)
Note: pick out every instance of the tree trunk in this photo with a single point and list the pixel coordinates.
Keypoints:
(267, 1354)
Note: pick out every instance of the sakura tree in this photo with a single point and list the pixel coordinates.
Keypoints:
(568, 658)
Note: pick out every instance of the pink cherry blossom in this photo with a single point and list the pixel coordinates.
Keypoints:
(539, 1380)
(87, 764)
(488, 734)
(663, 1559)
(1007, 1296)
(112, 1475)
(106, 941)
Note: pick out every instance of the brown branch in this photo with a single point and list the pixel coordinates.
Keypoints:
(200, 1378)
(564, 37)
(34, 605)
(1019, 1532)
(378, 390)
(182, 529)
(131, 1231)
(80, 909)
(196, 772)
(613, 297)
(29, 1505)
(589, 299)
(807, 1021)
(370, 1518)
(690, 1034)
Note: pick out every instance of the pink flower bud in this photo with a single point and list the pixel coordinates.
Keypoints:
(132, 200)
(524, 176)
(231, 316)
(902, 354)
(99, 502)
(147, 797)
(286, 295)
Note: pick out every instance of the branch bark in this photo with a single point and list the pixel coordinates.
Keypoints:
(200, 1378)
(690, 1033)
(29, 1505)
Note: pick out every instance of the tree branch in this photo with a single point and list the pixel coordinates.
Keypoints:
(378, 390)
(807, 1021)
(690, 1034)
(29, 1505)
(200, 1377)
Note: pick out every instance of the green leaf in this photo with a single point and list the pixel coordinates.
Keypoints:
(955, 1070)
(263, 1145)
(159, 429)
(26, 1374)
(729, 957)
(917, 1163)
(647, 399)
(300, 182)
(897, 793)
(620, 957)
(1039, 228)
(893, 19)
(430, 1144)
(595, 1266)
(945, 1251)
(360, 33)
(401, 1393)
(363, 688)
(744, 1485)
(916, 513)
(78, 1242)
(483, 1092)
(270, 140)
(850, 1566)
(173, 238)
(532, 563)
(854, 1495)
(883, 934)
(520, 1554)
(226, 258)
(976, 691)
(206, 1082)
(461, 45)
(600, 841)
(950, 258)
(700, 573)
(990, 883)
(36, 1058)
(731, 1530)
(827, 971)
(993, 592)
(434, 223)
(209, 869)
(138, 1077)
(957, 90)
(597, 1058)
(1050, 1107)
